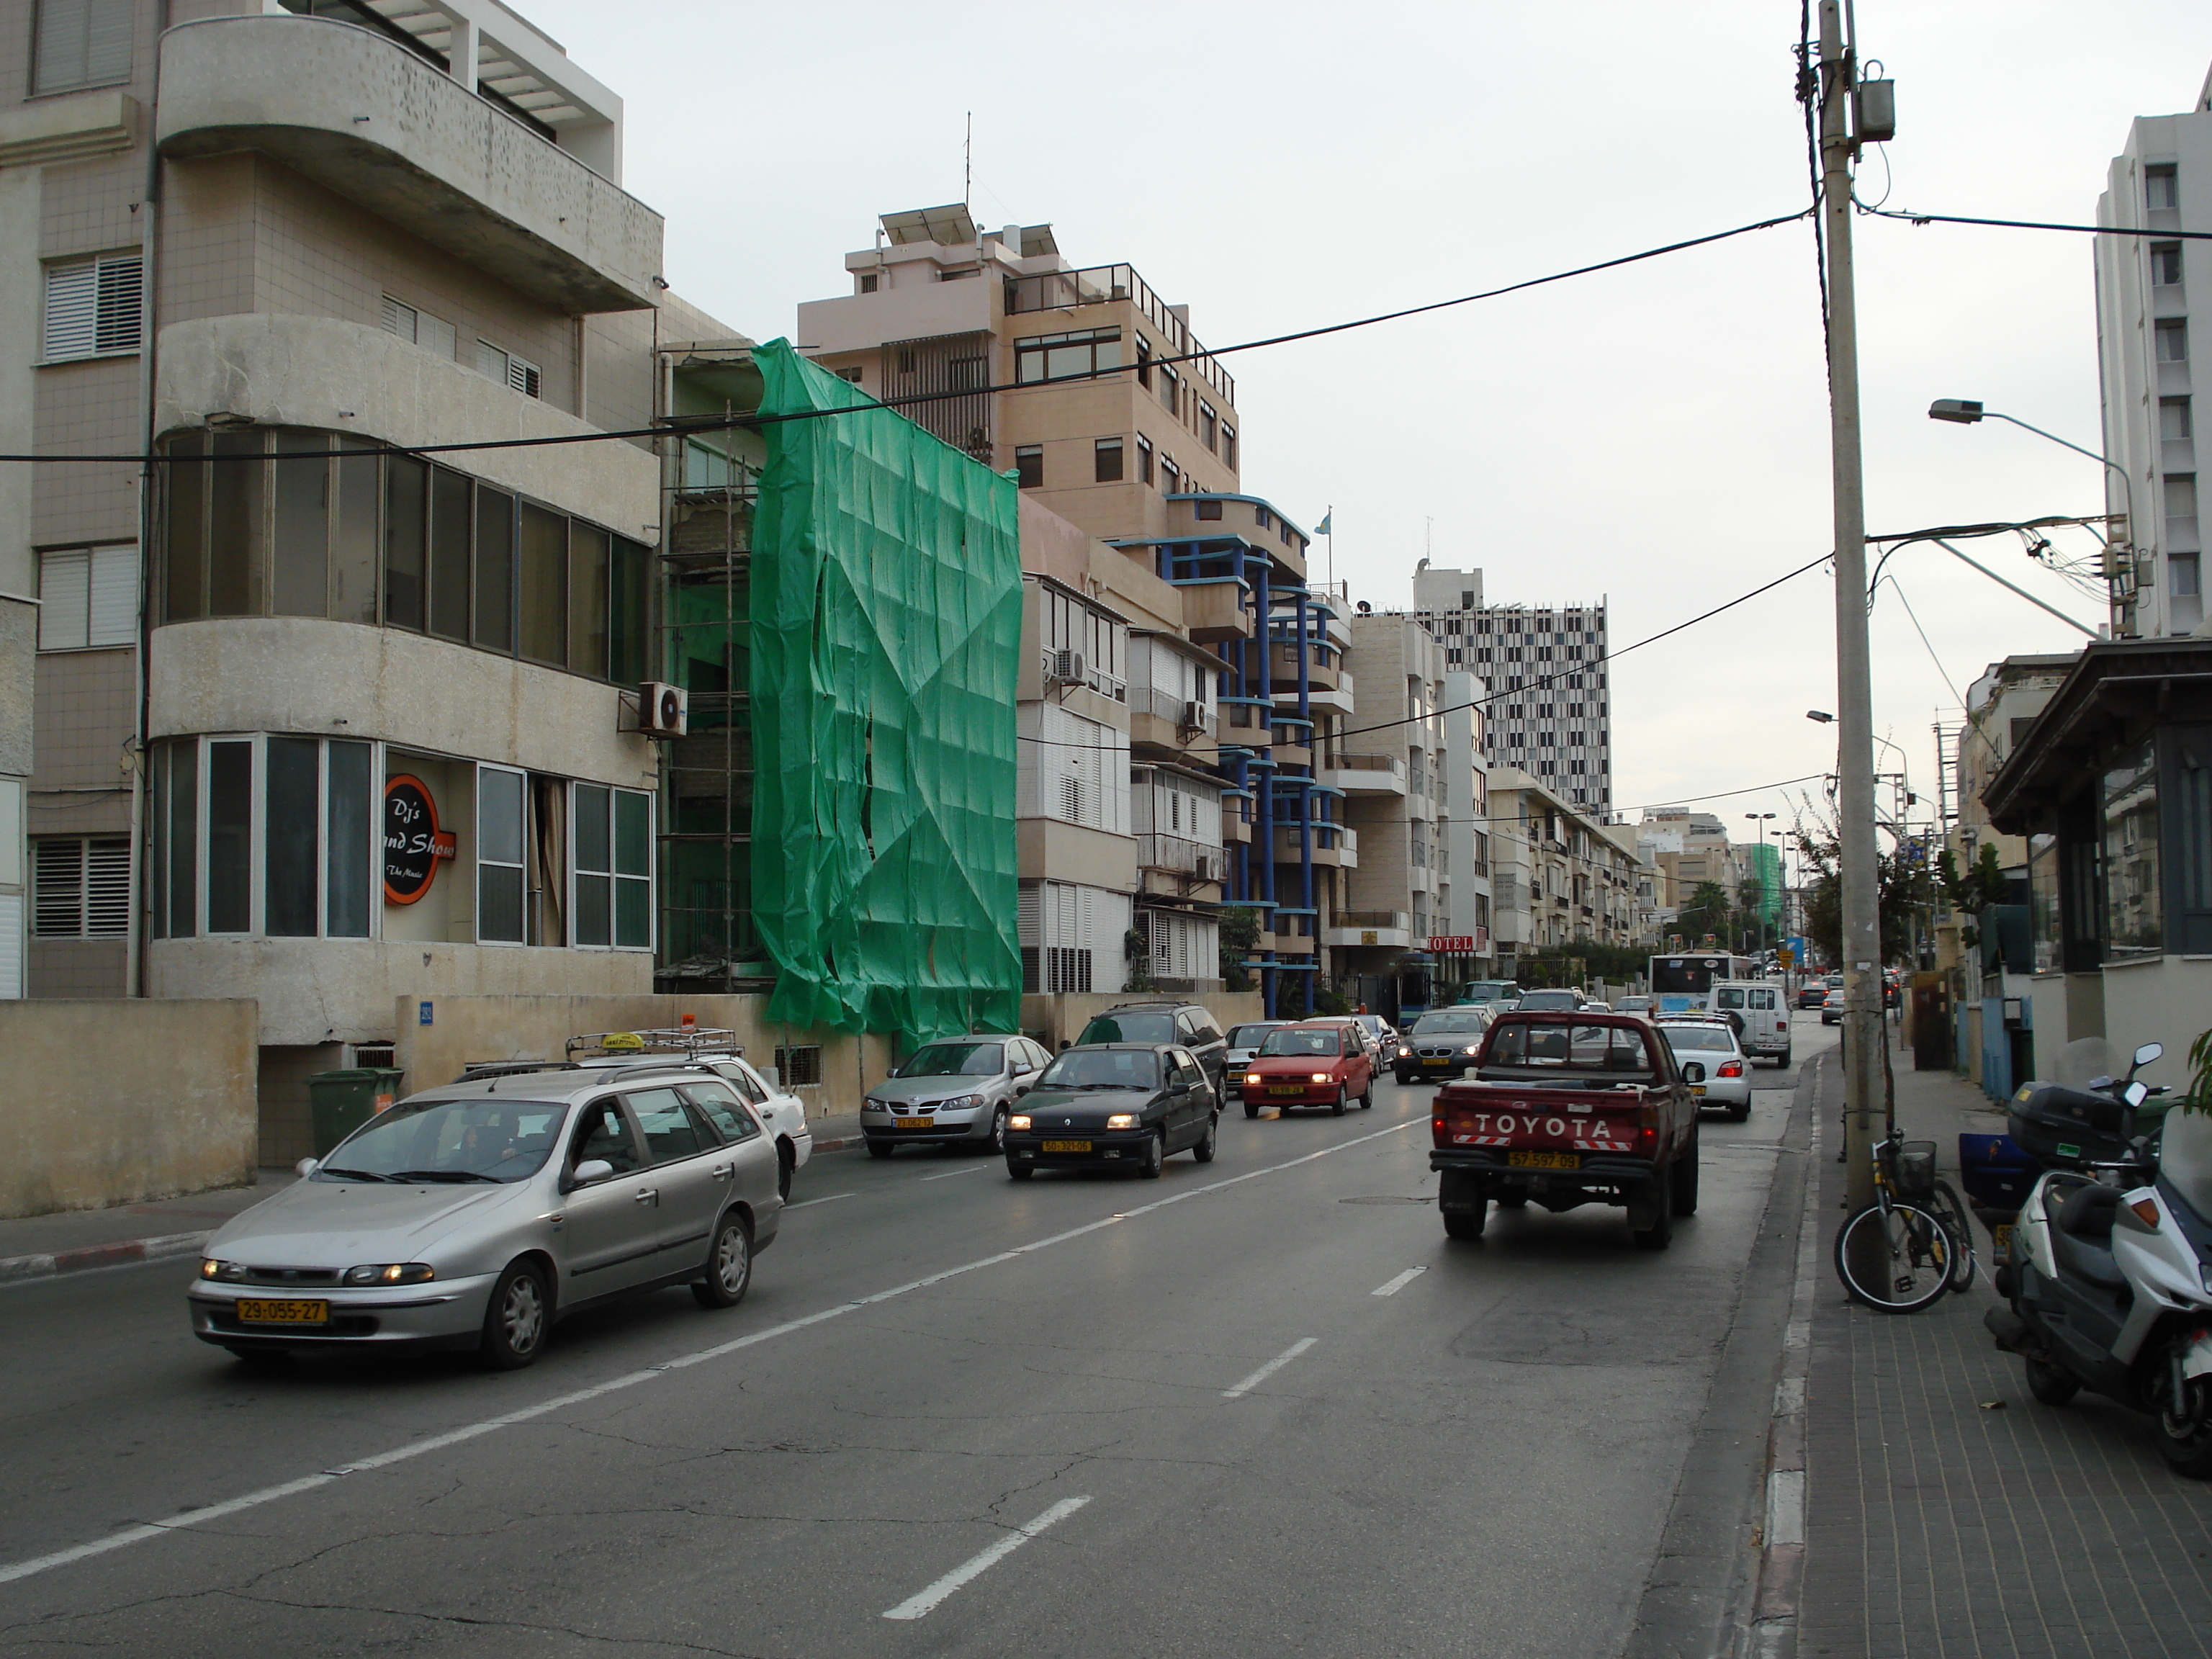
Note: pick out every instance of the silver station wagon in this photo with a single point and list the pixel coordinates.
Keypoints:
(475, 1215)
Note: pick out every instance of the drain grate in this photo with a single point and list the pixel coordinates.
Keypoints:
(1388, 1198)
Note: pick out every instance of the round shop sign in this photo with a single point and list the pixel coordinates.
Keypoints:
(413, 843)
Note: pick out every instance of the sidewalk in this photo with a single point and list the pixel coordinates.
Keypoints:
(1941, 1522)
(70, 1241)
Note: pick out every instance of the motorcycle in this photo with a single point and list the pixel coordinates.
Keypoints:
(2110, 1278)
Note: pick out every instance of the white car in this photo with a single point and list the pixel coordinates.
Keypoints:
(1385, 1033)
(1244, 1042)
(1711, 1044)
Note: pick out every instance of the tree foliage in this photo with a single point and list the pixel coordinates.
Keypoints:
(1901, 879)
(1239, 937)
(1707, 912)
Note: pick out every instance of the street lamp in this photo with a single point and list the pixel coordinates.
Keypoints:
(1964, 411)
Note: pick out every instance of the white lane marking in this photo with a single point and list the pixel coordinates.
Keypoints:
(1269, 1368)
(12, 1570)
(829, 1199)
(973, 1169)
(923, 1600)
(1398, 1284)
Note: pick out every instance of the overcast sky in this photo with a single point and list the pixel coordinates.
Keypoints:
(1656, 435)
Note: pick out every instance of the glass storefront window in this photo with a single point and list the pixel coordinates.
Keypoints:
(2133, 917)
(2043, 909)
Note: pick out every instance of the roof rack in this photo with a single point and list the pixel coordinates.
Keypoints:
(686, 1040)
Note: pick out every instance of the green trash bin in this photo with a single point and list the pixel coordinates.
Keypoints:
(341, 1102)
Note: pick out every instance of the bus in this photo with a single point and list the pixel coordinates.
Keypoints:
(1683, 983)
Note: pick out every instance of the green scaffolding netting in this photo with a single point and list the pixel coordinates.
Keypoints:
(885, 624)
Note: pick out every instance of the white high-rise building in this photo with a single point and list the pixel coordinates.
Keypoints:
(1552, 713)
(2147, 345)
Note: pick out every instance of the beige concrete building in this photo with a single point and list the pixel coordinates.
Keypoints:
(1396, 893)
(326, 721)
(1557, 879)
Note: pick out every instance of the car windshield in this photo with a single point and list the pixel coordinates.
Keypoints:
(1536, 1000)
(449, 1140)
(1102, 1068)
(1292, 1041)
(1489, 990)
(1449, 1026)
(1568, 1046)
(956, 1060)
(1129, 1028)
(1679, 1038)
(1248, 1036)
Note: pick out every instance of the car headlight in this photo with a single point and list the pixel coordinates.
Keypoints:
(1404, 1053)
(390, 1273)
(871, 1105)
(1321, 1077)
(959, 1102)
(1472, 1049)
(211, 1268)
(1122, 1121)
(1018, 1121)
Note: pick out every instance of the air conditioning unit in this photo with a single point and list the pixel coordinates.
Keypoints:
(662, 710)
(1068, 668)
(1194, 717)
(1209, 867)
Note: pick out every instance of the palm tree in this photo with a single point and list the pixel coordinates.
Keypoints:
(1707, 912)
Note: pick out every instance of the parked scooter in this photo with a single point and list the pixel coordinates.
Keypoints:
(2110, 1279)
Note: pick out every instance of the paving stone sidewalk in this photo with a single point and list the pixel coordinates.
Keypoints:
(1938, 1525)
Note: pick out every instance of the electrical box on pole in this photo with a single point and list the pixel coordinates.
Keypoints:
(1873, 111)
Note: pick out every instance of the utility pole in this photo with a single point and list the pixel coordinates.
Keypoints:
(1862, 1027)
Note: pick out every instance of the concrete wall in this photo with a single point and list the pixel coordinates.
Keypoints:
(2168, 1000)
(116, 1101)
(465, 1029)
(1053, 1020)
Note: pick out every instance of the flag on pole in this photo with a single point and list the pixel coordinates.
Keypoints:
(1322, 529)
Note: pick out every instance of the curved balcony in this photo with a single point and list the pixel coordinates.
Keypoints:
(366, 117)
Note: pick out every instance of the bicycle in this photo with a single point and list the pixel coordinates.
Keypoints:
(1919, 1251)
(1943, 1200)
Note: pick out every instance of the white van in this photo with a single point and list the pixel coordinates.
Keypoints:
(1760, 1012)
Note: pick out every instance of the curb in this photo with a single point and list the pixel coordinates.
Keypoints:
(15, 1268)
(1782, 1537)
(841, 1143)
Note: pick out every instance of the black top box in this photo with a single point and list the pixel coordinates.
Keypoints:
(2069, 1129)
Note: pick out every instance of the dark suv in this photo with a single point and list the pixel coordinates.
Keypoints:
(1188, 1024)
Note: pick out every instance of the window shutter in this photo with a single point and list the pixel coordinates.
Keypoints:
(522, 377)
(121, 285)
(108, 888)
(11, 946)
(64, 597)
(112, 609)
(398, 317)
(433, 334)
(491, 362)
(57, 872)
(72, 296)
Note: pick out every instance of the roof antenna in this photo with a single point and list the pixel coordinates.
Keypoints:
(967, 162)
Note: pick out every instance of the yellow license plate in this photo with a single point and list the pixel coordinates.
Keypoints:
(1698, 1089)
(2001, 1237)
(257, 1311)
(1435, 1063)
(1545, 1160)
(912, 1122)
(1287, 1089)
(1067, 1145)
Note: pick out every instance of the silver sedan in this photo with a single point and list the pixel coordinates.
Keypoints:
(477, 1215)
(1713, 1046)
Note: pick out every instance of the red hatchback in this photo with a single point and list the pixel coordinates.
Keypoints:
(1315, 1062)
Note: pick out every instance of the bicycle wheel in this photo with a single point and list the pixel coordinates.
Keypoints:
(1914, 1248)
(1944, 1204)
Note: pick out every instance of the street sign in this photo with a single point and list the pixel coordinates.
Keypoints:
(1786, 956)
(1441, 943)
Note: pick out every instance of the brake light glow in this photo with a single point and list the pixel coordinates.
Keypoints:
(1731, 1068)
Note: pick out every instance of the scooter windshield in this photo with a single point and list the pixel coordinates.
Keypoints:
(2184, 1157)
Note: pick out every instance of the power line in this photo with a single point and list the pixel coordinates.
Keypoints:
(677, 428)
(2029, 224)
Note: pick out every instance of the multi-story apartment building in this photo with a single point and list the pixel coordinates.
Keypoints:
(2148, 341)
(1557, 879)
(1465, 768)
(1551, 708)
(19, 639)
(325, 717)
(1095, 393)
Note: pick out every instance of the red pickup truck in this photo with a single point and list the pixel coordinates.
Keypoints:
(1569, 1109)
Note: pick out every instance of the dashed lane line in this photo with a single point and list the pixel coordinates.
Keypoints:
(10, 1571)
(923, 1600)
(1269, 1368)
(1393, 1287)
(827, 1198)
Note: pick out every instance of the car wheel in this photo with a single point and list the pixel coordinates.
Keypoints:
(1682, 1181)
(1739, 1114)
(1156, 1156)
(787, 1161)
(1403, 1078)
(879, 1149)
(517, 1319)
(998, 1143)
(1336, 1106)
(1020, 1171)
(1659, 1232)
(729, 1265)
(1783, 1064)
(1367, 1097)
(1251, 1109)
(1207, 1143)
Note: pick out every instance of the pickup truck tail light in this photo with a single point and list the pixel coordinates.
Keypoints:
(1647, 1129)
(1436, 1135)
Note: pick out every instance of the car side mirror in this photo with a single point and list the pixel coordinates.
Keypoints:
(306, 1166)
(2149, 1052)
(1694, 1071)
(591, 1169)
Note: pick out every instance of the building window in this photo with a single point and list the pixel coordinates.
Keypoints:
(1143, 362)
(252, 531)
(2180, 494)
(2181, 575)
(2165, 265)
(2174, 424)
(1210, 509)
(93, 308)
(1209, 426)
(433, 334)
(869, 280)
(614, 867)
(81, 43)
(1144, 460)
(501, 838)
(1229, 448)
(2173, 340)
(1171, 477)
(1070, 356)
(1170, 389)
(1106, 461)
(2130, 798)
(2160, 190)
(88, 597)
(800, 1067)
(495, 363)
(80, 887)
(851, 374)
(1029, 466)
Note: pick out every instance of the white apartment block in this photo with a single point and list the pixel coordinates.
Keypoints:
(2147, 345)
(1552, 711)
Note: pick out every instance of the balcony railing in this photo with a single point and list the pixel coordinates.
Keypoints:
(1169, 705)
(1096, 677)
(1393, 764)
(1181, 855)
(1373, 919)
(1098, 285)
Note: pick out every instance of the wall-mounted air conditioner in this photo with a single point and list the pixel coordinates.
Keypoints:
(662, 710)
(1194, 717)
(1068, 668)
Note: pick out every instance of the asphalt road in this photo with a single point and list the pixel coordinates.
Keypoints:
(1258, 1407)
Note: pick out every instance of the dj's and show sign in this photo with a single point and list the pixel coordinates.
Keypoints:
(413, 843)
